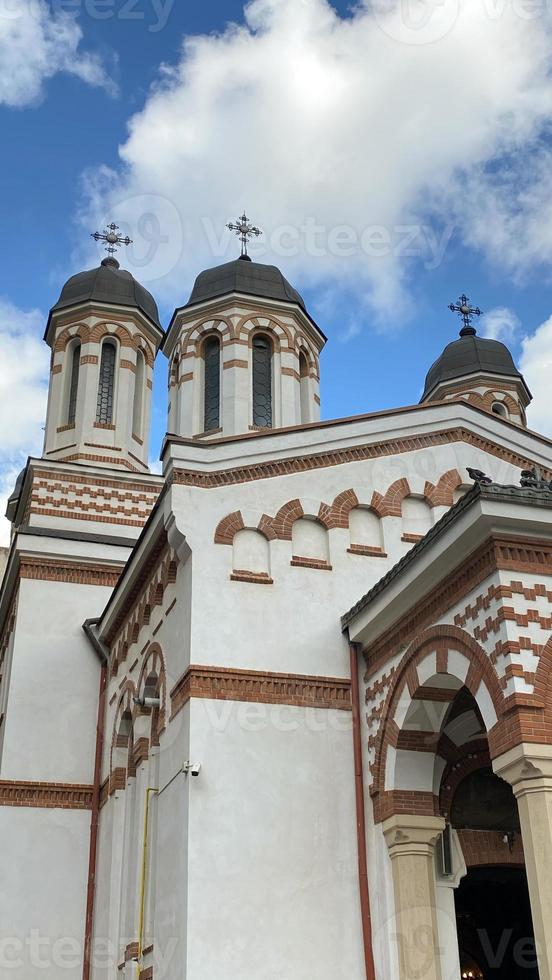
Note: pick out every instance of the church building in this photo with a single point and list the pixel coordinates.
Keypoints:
(283, 712)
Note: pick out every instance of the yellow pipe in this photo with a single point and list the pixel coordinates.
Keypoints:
(143, 880)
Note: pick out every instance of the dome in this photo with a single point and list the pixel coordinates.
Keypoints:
(470, 355)
(13, 499)
(108, 284)
(244, 276)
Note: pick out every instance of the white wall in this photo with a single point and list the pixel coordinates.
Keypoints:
(42, 898)
(52, 707)
(273, 886)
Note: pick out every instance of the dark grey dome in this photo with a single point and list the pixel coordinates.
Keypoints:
(108, 284)
(468, 355)
(244, 276)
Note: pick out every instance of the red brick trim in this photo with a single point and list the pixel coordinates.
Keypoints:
(300, 562)
(438, 638)
(256, 578)
(517, 554)
(260, 687)
(64, 796)
(405, 801)
(411, 538)
(228, 527)
(377, 450)
(442, 493)
(52, 570)
(365, 549)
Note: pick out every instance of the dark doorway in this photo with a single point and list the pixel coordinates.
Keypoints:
(495, 930)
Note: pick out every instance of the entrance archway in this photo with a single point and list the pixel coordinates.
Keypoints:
(442, 722)
(495, 929)
(493, 914)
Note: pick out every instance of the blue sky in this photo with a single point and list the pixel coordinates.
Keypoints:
(372, 118)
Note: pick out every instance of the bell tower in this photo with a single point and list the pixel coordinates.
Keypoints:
(243, 352)
(104, 333)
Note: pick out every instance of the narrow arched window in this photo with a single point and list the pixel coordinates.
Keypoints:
(499, 408)
(211, 388)
(138, 402)
(304, 383)
(104, 410)
(262, 381)
(73, 384)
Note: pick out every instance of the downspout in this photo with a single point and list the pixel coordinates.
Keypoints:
(365, 914)
(101, 652)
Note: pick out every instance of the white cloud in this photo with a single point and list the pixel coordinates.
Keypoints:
(536, 366)
(500, 323)
(24, 365)
(328, 129)
(36, 44)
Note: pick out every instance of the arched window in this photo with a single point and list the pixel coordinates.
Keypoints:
(73, 384)
(211, 387)
(499, 408)
(138, 394)
(304, 382)
(104, 410)
(416, 515)
(262, 381)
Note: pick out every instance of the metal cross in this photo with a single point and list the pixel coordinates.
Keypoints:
(244, 229)
(111, 236)
(466, 312)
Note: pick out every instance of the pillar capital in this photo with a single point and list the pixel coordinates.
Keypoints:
(527, 768)
(411, 834)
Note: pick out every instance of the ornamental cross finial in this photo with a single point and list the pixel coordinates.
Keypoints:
(113, 239)
(466, 311)
(245, 230)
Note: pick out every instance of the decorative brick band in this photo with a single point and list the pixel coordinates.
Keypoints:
(235, 362)
(65, 796)
(376, 450)
(66, 571)
(534, 557)
(261, 687)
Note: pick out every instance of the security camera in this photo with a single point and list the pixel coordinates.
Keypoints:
(192, 767)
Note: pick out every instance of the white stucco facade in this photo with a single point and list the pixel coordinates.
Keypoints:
(189, 784)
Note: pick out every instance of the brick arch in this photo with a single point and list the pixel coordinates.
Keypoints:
(125, 705)
(405, 685)
(251, 323)
(211, 325)
(81, 330)
(390, 503)
(229, 526)
(441, 494)
(154, 664)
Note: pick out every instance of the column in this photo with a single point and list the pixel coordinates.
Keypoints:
(411, 842)
(528, 769)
